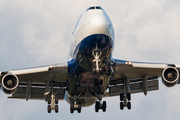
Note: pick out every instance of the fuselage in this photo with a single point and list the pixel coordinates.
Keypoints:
(91, 49)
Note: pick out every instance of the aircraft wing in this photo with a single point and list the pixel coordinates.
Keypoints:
(33, 81)
(142, 76)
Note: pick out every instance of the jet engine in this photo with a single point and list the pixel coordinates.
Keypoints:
(9, 83)
(170, 76)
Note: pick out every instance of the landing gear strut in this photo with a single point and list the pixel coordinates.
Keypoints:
(125, 101)
(76, 106)
(96, 53)
(100, 105)
(125, 98)
(51, 100)
(52, 104)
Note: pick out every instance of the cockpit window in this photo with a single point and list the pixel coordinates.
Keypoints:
(94, 7)
(98, 7)
(90, 8)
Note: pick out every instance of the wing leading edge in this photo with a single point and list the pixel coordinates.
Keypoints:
(56, 72)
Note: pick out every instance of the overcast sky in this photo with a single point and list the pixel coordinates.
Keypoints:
(38, 32)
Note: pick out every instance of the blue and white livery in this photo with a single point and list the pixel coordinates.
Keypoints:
(90, 72)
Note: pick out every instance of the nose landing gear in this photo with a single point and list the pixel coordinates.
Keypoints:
(97, 53)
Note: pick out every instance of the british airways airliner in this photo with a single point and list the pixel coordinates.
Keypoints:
(91, 73)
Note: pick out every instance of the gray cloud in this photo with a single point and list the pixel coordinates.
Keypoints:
(34, 33)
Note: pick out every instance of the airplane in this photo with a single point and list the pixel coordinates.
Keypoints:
(90, 73)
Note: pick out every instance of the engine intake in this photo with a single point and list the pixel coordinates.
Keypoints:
(170, 76)
(10, 83)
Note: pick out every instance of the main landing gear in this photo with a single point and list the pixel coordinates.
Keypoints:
(75, 107)
(125, 101)
(52, 104)
(51, 100)
(125, 97)
(99, 105)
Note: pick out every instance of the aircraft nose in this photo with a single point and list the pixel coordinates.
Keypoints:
(95, 22)
(99, 24)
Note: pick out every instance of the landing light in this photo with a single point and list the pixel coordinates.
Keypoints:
(50, 67)
(128, 63)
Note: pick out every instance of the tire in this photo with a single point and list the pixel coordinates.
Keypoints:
(71, 108)
(79, 111)
(49, 100)
(129, 96)
(56, 100)
(49, 108)
(79, 108)
(97, 107)
(129, 105)
(121, 105)
(56, 108)
(121, 96)
(104, 106)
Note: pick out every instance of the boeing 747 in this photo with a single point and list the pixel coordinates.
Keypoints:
(91, 73)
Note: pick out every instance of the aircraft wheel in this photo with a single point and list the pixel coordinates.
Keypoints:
(121, 105)
(79, 108)
(49, 108)
(121, 96)
(129, 105)
(129, 96)
(56, 100)
(97, 106)
(56, 108)
(71, 108)
(49, 100)
(104, 106)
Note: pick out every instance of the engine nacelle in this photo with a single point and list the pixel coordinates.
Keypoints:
(9, 83)
(170, 76)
